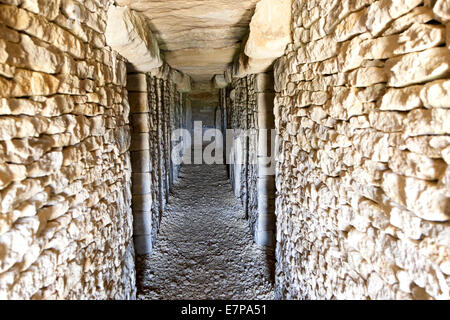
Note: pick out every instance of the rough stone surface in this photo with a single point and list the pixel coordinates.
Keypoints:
(195, 26)
(270, 29)
(65, 172)
(128, 32)
(361, 118)
(205, 249)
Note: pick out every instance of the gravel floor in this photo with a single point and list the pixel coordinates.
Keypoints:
(204, 248)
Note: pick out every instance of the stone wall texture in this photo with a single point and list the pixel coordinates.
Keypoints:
(363, 128)
(65, 171)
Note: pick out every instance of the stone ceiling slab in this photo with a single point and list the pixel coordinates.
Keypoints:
(212, 27)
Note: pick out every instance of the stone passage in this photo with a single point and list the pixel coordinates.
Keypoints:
(204, 248)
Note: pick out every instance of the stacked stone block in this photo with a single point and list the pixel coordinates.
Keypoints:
(156, 110)
(65, 171)
(248, 107)
(141, 160)
(265, 181)
(363, 125)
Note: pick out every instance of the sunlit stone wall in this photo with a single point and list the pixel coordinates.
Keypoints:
(65, 171)
(363, 124)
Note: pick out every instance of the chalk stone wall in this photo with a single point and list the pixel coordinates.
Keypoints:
(65, 201)
(363, 125)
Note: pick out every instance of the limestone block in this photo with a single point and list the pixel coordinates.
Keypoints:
(140, 122)
(24, 20)
(436, 94)
(264, 160)
(266, 187)
(228, 74)
(415, 165)
(447, 34)
(265, 222)
(244, 66)
(366, 77)
(128, 32)
(185, 85)
(138, 102)
(418, 15)
(353, 24)
(47, 8)
(270, 29)
(423, 198)
(417, 38)
(427, 121)
(29, 54)
(175, 76)
(142, 202)
(140, 161)
(381, 13)
(442, 9)
(265, 238)
(140, 141)
(141, 183)
(143, 244)
(402, 99)
(266, 205)
(418, 67)
(142, 223)
(137, 82)
(386, 121)
(319, 50)
(431, 146)
(219, 81)
(26, 83)
(264, 82)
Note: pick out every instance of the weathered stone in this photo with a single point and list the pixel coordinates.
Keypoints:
(137, 82)
(426, 65)
(353, 24)
(129, 33)
(140, 141)
(270, 29)
(366, 77)
(138, 102)
(402, 99)
(431, 121)
(415, 165)
(421, 197)
(264, 82)
(417, 38)
(319, 50)
(417, 15)
(380, 13)
(442, 9)
(219, 81)
(184, 85)
(49, 9)
(436, 94)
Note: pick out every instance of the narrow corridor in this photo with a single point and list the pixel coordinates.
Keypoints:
(204, 248)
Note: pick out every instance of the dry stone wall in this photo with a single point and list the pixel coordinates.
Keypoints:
(65, 202)
(157, 110)
(363, 125)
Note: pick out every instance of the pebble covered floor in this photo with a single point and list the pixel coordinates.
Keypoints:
(204, 248)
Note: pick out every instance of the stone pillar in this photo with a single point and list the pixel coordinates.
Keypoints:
(265, 224)
(141, 162)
